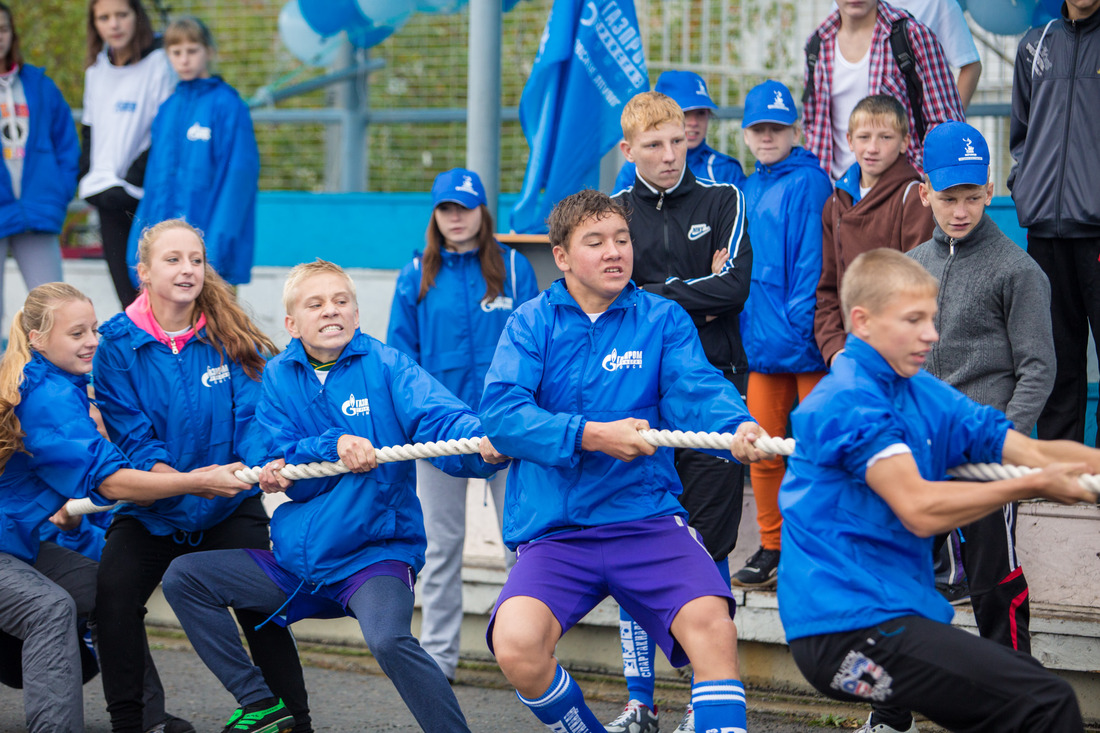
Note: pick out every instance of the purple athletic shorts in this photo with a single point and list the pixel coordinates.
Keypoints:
(652, 567)
(305, 600)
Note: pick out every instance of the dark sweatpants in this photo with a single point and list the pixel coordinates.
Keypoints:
(958, 680)
(1073, 268)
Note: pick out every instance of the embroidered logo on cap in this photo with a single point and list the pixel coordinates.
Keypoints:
(467, 185)
(779, 103)
(969, 154)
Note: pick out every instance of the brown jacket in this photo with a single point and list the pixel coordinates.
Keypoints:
(890, 215)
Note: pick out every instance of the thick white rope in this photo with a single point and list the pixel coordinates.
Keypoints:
(659, 438)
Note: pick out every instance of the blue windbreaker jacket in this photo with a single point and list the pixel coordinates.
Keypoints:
(783, 206)
(848, 562)
(52, 165)
(452, 332)
(555, 368)
(338, 525)
(204, 167)
(705, 163)
(187, 410)
(65, 458)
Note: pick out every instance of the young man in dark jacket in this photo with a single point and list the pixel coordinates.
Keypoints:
(1054, 181)
(691, 245)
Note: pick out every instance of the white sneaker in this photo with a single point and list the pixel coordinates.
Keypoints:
(687, 723)
(883, 728)
(635, 718)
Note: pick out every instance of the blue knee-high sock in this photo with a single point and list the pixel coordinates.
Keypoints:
(637, 659)
(562, 707)
(719, 706)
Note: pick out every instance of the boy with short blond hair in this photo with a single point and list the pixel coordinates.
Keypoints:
(578, 372)
(691, 245)
(876, 204)
(863, 496)
(346, 545)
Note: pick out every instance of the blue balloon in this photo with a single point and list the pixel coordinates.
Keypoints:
(382, 13)
(962, 4)
(329, 17)
(440, 7)
(306, 44)
(1003, 17)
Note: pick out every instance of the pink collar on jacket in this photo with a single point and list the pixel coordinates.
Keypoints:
(141, 313)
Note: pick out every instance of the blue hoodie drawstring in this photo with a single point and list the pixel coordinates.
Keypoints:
(280, 608)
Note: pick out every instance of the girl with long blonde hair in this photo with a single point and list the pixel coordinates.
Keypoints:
(50, 452)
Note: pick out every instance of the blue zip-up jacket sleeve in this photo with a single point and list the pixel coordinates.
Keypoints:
(127, 424)
(525, 280)
(714, 295)
(65, 143)
(625, 179)
(247, 443)
(230, 233)
(694, 394)
(67, 452)
(510, 413)
(803, 254)
(403, 333)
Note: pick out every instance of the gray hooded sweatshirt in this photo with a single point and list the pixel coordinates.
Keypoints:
(996, 344)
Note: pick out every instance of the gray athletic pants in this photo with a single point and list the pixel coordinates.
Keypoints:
(443, 498)
(39, 604)
(38, 255)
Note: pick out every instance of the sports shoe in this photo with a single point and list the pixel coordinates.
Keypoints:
(883, 728)
(687, 723)
(266, 716)
(955, 593)
(759, 571)
(636, 718)
(172, 724)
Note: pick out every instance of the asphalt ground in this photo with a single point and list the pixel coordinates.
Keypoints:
(349, 693)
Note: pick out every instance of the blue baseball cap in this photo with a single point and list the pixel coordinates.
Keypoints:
(955, 154)
(687, 89)
(460, 186)
(769, 102)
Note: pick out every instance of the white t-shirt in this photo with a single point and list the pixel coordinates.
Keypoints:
(945, 18)
(850, 83)
(120, 103)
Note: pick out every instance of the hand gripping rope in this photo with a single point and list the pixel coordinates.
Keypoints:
(659, 438)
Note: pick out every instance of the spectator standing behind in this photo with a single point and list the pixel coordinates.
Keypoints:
(995, 346)
(690, 245)
(946, 20)
(449, 309)
(126, 78)
(41, 159)
(203, 164)
(876, 204)
(1054, 182)
(854, 59)
(689, 90)
(784, 198)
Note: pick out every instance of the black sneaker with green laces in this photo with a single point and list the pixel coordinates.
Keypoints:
(759, 572)
(265, 716)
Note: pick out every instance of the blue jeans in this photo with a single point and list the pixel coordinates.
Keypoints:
(202, 586)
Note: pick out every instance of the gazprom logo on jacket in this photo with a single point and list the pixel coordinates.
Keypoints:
(499, 303)
(215, 375)
(198, 132)
(629, 360)
(354, 407)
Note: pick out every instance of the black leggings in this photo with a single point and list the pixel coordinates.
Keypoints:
(959, 681)
(116, 216)
(134, 560)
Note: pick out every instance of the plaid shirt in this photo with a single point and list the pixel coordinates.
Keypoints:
(941, 96)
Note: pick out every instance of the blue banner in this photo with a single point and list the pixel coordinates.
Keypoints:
(590, 63)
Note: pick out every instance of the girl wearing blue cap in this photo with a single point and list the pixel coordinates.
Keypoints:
(448, 312)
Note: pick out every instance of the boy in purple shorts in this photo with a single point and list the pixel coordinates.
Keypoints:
(591, 508)
(345, 545)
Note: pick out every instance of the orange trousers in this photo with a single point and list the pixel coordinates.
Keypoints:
(770, 401)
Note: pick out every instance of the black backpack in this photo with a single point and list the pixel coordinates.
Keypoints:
(903, 56)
